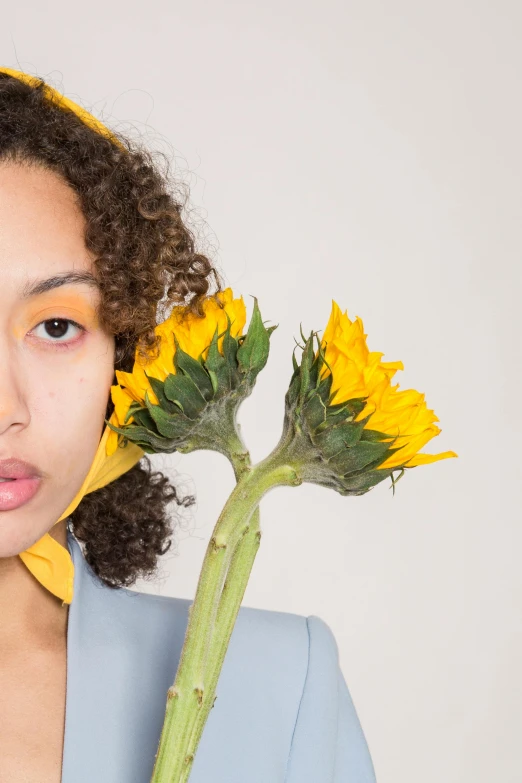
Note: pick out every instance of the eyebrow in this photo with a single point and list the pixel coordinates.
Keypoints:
(35, 287)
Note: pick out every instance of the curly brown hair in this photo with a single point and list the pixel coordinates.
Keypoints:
(145, 261)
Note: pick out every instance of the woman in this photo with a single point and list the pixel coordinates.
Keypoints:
(93, 251)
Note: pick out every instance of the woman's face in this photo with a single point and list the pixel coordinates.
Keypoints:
(56, 363)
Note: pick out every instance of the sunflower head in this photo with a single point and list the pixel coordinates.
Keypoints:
(354, 427)
(186, 397)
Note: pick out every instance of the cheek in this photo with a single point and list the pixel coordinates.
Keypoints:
(71, 422)
(72, 406)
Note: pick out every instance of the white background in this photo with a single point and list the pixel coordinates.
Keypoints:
(371, 153)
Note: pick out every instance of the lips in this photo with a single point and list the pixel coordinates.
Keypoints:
(13, 468)
(15, 493)
(23, 482)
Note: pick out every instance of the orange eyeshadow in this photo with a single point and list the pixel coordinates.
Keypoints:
(58, 304)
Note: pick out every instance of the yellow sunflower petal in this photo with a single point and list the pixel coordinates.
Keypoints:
(424, 459)
(193, 334)
(358, 372)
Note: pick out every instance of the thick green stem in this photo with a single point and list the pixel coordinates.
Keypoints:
(232, 594)
(189, 691)
(233, 591)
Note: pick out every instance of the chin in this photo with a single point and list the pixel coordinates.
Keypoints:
(16, 532)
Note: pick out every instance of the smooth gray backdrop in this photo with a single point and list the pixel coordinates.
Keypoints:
(371, 153)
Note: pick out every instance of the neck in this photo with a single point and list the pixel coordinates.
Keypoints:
(31, 615)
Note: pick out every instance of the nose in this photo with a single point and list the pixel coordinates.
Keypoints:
(14, 412)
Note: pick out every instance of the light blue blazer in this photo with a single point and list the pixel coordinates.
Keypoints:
(283, 712)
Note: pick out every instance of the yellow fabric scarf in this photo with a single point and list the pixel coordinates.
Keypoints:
(48, 560)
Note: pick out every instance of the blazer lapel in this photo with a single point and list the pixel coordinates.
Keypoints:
(121, 659)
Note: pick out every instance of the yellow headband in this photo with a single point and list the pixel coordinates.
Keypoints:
(48, 560)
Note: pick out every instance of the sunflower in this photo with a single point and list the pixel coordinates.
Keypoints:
(358, 372)
(187, 395)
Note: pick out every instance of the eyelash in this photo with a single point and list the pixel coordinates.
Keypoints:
(62, 344)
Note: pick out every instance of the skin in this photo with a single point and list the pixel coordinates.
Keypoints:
(54, 387)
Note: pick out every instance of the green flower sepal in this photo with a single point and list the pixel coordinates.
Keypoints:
(324, 441)
(197, 405)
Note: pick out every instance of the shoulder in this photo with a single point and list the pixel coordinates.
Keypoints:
(299, 628)
(158, 618)
(267, 647)
(286, 637)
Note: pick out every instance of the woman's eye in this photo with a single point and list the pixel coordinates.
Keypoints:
(58, 330)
